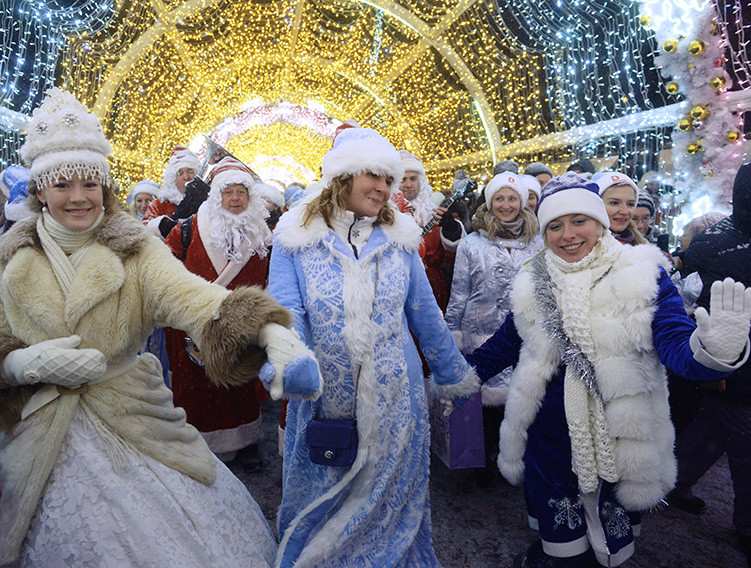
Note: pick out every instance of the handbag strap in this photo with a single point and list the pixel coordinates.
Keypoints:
(356, 374)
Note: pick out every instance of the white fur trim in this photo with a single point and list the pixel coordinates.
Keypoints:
(153, 226)
(229, 177)
(291, 234)
(468, 385)
(413, 165)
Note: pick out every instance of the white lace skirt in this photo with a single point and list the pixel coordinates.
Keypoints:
(150, 515)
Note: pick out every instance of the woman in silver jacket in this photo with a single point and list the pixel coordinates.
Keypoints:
(505, 237)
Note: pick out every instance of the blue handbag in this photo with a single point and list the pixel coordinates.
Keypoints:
(332, 441)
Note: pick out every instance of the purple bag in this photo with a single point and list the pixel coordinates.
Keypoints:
(458, 439)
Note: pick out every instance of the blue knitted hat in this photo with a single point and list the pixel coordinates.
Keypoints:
(570, 194)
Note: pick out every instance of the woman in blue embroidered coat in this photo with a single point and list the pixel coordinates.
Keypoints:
(346, 264)
(587, 424)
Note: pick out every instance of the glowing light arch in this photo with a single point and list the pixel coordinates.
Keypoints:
(167, 20)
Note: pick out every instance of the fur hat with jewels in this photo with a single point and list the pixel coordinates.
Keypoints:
(64, 138)
(362, 150)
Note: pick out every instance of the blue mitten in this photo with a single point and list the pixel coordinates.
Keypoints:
(292, 368)
(301, 377)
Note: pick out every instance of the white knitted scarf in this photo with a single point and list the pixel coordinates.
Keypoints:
(591, 446)
(64, 248)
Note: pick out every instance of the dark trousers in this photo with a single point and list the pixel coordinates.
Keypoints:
(721, 425)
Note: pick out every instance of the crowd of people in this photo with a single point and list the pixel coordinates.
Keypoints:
(139, 341)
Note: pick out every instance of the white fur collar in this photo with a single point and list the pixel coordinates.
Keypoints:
(291, 234)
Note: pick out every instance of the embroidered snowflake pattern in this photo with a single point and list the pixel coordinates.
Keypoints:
(615, 520)
(567, 512)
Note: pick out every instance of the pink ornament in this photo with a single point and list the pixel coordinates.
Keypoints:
(719, 62)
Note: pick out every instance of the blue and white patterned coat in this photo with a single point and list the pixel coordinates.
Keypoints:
(377, 512)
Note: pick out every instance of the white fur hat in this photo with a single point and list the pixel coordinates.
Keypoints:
(64, 138)
(531, 183)
(608, 179)
(362, 150)
(270, 192)
(506, 179)
(411, 163)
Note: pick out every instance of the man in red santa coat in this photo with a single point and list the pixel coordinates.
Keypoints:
(182, 168)
(438, 246)
(227, 243)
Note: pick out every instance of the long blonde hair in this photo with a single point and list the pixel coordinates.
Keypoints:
(484, 219)
(334, 199)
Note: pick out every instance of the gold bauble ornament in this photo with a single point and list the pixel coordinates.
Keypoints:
(670, 46)
(733, 136)
(692, 149)
(672, 88)
(717, 82)
(700, 112)
(645, 21)
(715, 28)
(696, 47)
(686, 124)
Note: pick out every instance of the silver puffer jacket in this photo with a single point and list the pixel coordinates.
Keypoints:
(483, 271)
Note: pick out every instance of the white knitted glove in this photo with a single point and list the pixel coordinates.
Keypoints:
(55, 361)
(294, 367)
(724, 331)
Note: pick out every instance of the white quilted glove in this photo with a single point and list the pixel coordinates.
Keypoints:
(55, 361)
(294, 369)
(724, 331)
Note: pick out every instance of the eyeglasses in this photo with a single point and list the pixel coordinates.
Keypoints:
(645, 219)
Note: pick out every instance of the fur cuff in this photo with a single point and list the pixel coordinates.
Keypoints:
(12, 400)
(512, 471)
(229, 340)
(469, 385)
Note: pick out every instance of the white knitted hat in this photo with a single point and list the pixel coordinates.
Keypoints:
(64, 138)
(604, 180)
(359, 151)
(531, 183)
(506, 179)
(144, 186)
(571, 194)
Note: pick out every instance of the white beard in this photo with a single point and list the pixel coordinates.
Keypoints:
(238, 236)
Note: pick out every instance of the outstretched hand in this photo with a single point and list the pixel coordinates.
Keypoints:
(724, 331)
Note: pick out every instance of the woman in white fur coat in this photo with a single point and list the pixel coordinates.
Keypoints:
(587, 425)
(97, 467)
(346, 264)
